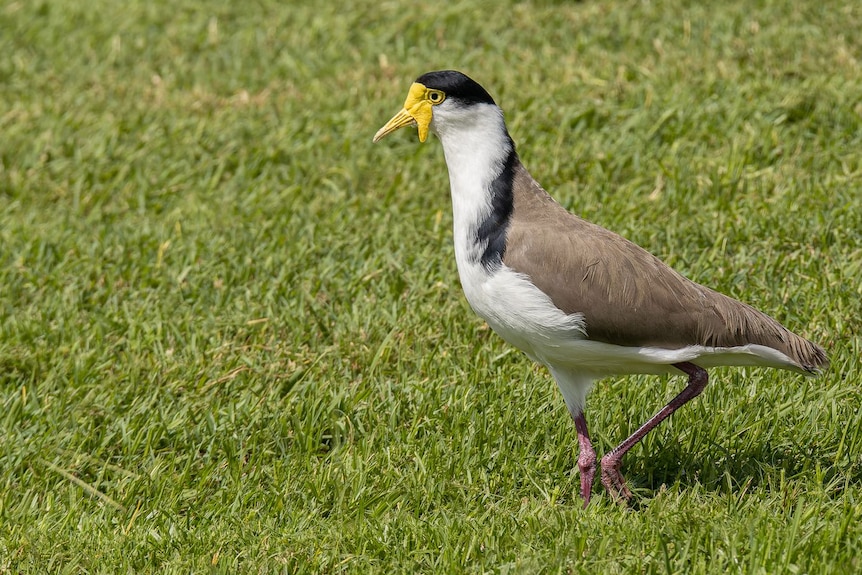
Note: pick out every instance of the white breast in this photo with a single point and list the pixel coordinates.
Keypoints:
(517, 310)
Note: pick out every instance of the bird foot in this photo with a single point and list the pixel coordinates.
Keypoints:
(587, 466)
(613, 480)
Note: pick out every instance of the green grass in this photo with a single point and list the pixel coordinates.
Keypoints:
(232, 337)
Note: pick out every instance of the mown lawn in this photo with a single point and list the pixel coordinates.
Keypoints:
(232, 337)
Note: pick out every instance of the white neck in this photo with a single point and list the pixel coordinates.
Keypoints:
(476, 146)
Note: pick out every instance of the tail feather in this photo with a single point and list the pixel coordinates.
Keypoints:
(738, 323)
(809, 355)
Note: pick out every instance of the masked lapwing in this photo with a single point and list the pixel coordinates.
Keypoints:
(578, 298)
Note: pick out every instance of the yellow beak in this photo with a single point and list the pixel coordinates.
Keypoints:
(416, 112)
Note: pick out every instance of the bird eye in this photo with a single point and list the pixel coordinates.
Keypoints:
(435, 96)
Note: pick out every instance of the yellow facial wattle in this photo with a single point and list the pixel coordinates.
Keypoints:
(417, 111)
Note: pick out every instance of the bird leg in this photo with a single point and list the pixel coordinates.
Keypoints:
(586, 458)
(612, 479)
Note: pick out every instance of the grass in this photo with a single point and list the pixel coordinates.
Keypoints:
(232, 337)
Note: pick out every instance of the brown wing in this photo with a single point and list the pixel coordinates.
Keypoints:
(628, 296)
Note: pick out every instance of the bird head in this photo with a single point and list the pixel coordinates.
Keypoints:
(433, 96)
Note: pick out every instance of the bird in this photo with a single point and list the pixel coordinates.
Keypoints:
(575, 297)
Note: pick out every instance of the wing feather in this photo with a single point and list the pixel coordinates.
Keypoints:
(628, 296)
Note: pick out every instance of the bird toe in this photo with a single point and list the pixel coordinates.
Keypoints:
(613, 479)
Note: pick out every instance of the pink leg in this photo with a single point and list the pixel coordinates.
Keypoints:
(586, 458)
(612, 479)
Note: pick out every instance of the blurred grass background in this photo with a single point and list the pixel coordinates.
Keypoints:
(232, 337)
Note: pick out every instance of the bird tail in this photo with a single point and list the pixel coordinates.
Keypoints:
(810, 356)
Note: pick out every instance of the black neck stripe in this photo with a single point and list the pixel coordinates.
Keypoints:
(492, 230)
